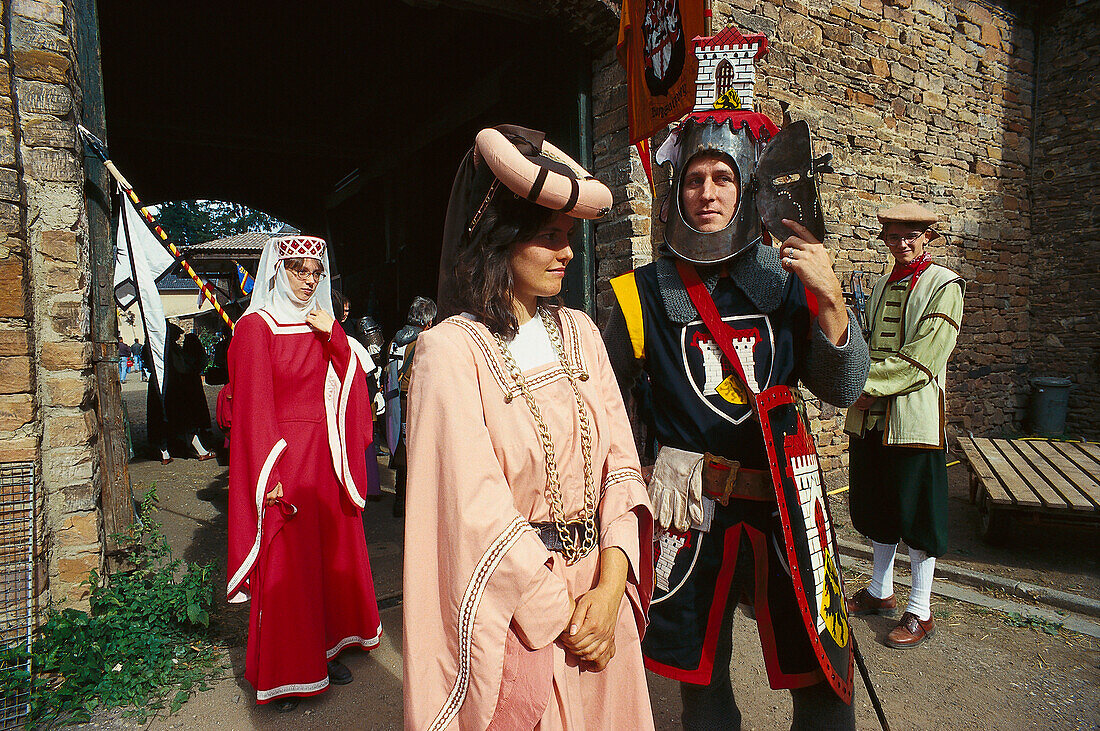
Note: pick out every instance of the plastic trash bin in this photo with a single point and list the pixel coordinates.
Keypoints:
(1049, 404)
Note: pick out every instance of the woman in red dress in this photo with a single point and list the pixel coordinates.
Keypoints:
(297, 480)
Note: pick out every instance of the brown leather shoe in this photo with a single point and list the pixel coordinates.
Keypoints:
(910, 632)
(863, 603)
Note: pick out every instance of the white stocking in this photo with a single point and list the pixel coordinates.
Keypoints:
(198, 446)
(882, 577)
(920, 596)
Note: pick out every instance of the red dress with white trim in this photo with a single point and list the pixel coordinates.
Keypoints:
(300, 417)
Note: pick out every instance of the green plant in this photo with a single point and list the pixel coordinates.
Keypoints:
(143, 644)
(1038, 623)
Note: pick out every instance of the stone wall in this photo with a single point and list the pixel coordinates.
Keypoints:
(930, 99)
(1065, 319)
(48, 413)
(922, 99)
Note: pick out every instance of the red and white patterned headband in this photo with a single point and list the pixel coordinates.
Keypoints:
(299, 247)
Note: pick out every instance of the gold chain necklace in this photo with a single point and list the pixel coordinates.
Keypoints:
(570, 549)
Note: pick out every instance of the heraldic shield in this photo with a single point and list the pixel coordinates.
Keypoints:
(808, 533)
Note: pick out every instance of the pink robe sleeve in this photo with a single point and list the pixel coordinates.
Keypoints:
(532, 621)
(255, 448)
(626, 519)
(473, 564)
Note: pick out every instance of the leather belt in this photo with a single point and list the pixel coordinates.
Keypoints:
(551, 538)
(725, 478)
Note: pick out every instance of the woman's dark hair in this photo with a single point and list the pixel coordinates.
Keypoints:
(483, 279)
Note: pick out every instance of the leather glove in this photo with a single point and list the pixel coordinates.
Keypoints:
(676, 489)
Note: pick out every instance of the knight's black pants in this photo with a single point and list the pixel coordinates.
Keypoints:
(712, 707)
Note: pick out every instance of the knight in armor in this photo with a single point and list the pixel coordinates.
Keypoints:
(721, 541)
(897, 428)
(368, 333)
(367, 336)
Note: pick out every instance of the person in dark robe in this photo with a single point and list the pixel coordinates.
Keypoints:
(218, 372)
(185, 407)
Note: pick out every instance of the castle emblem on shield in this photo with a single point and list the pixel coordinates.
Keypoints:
(713, 377)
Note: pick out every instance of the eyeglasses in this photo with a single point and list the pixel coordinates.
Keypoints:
(893, 240)
(306, 275)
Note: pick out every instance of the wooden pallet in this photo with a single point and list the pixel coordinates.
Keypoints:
(1033, 479)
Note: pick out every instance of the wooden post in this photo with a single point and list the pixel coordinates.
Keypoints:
(116, 496)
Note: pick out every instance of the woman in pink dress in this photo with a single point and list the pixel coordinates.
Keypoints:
(528, 539)
(301, 422)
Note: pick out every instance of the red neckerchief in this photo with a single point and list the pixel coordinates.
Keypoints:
(914, 268)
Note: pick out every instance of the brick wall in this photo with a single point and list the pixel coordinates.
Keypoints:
(1065, 320)
(44, 334)
(19, 427)
(922, 99)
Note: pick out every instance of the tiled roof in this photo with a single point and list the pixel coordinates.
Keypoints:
(176, 282)
(252, 240)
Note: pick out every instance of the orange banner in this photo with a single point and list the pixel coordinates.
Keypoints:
(655, 49)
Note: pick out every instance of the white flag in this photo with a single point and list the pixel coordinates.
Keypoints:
(151, 261)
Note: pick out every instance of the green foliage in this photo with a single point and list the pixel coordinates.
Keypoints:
(208, 338)
(196, 221)
(143, 644)
(1037, 623)
(16, 681)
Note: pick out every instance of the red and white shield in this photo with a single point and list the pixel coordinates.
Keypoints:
(808, 533)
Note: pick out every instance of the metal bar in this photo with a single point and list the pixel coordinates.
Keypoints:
(17, 496)
(584, 145)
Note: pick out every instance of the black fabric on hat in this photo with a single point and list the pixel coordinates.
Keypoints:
(467, 192)
(472, 184)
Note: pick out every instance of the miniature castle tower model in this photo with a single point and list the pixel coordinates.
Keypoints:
(727, 69)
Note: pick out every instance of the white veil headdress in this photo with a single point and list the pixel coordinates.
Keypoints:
(272, 291)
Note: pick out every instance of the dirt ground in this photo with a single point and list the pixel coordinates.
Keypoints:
(1058, 557)
(980, 671)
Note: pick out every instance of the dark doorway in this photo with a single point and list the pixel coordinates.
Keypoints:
(346, 119)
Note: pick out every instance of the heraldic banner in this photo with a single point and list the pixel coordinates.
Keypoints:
(655, 49)
(808, 533)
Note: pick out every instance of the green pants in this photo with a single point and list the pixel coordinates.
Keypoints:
(898, 493)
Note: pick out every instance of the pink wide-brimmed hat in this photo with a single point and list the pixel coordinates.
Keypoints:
(521, 160)
(534, 169)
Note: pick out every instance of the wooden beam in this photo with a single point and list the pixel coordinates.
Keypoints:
(1064, 487)
(984, 472)
(1012, 482)
(116, 495)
